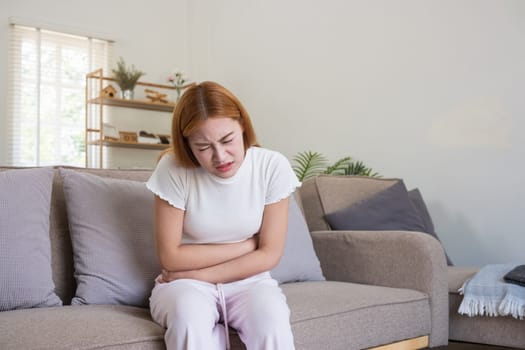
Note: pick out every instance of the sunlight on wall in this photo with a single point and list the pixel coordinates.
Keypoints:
(480, 122)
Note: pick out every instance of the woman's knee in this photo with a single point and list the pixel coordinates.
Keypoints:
(264, 310)
(183, 303)
(267, 327)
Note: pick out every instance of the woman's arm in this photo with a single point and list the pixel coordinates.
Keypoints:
(272, 238)
(174, 256)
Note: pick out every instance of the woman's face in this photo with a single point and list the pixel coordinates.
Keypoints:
(218, 146)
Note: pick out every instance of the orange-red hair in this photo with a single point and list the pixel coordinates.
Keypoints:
(198, 103)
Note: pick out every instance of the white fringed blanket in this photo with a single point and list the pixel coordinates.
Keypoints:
(488, 294)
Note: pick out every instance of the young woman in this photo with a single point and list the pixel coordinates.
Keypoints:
(221, 211)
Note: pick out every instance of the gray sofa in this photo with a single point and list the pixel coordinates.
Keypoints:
(381, 287)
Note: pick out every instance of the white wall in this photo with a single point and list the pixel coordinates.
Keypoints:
(152, 35)
(427, 91)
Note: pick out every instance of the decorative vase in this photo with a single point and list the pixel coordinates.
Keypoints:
(127, 94)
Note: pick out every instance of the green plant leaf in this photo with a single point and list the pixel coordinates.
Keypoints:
(308, 164)
(338, 168)
(359, 168)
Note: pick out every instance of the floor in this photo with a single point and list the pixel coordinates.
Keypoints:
(470, 346)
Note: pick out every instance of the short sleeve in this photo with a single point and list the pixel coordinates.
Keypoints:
(169, 182)
(282, 180)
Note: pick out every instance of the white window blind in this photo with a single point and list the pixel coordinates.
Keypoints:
(47, 77)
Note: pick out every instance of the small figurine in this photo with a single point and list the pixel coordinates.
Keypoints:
(155, 96)
(109, 91)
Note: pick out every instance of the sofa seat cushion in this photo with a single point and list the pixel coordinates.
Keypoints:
(80, 327)
(500, 331)
(346, 314)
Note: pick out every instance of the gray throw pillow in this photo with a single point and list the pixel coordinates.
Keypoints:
(111, 227)
(418, 202)
(299, 261)
(390, 209)
(25, 249)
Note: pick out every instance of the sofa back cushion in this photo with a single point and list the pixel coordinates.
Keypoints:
(299, 261)
(61, 249)
(111, 228)
(388, 210)
(326, 194)
(61, 252)
(25, 255)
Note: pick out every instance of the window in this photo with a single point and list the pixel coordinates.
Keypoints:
(46, 115)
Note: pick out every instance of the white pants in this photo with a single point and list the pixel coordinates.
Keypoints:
(191, 311)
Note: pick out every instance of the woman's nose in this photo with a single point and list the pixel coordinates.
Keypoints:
(218, 154)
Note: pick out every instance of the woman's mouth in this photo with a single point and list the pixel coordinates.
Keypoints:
(223, 168)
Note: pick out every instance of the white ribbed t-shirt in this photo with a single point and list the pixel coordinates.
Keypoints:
(221, 210)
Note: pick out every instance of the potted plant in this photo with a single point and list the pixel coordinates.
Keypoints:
(126, 78)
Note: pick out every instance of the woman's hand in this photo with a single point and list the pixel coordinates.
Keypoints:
(169, 276)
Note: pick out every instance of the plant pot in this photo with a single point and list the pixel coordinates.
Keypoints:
(126, 94)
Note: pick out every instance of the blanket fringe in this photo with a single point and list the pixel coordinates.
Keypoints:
(486, 294)
(512, 306)
(508, 306)
(478, 307)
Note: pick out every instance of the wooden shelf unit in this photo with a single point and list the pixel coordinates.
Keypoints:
(138, 104)
(94, 134)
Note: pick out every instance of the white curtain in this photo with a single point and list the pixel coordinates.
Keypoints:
(46, 114)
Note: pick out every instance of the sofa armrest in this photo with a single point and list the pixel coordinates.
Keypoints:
(398, 259)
